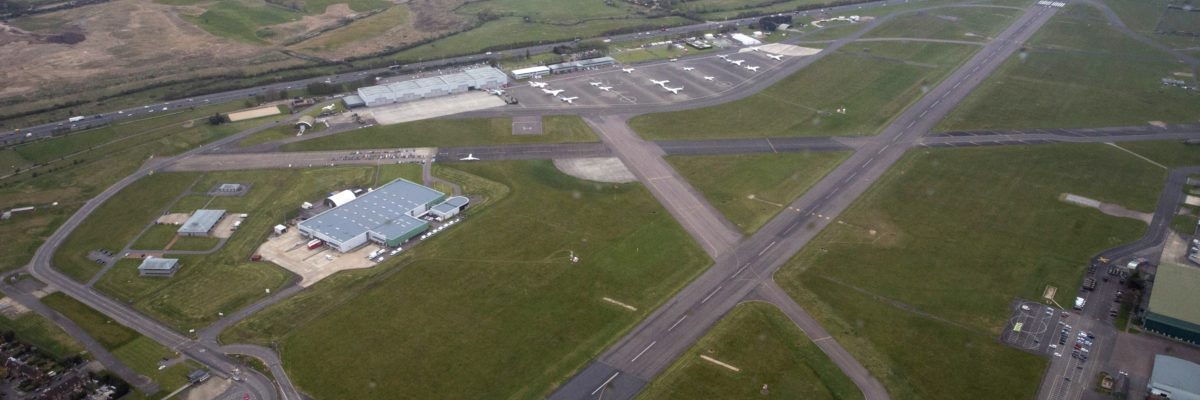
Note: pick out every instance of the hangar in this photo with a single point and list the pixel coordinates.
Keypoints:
(530, 72)
(1173, 298)
(201, 222)
(433, 86)
(1174, 378)
(388, 215)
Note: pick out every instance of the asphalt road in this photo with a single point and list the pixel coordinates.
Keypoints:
(669, 331)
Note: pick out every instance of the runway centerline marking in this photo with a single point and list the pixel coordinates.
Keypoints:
(824, 338)
(739, 271)
(710, 295)
(677, 323)
(764, 250)
(643, 351)
(602, 385)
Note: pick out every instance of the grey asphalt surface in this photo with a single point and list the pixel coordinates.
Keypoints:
(663, 336)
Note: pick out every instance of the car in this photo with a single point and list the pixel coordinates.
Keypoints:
(1064, 314)
(1091, 336)
(1058, 354)
(1025, 307)
(1053, 346)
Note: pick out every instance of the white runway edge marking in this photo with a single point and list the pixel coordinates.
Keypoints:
(714, 361)
(710, 295)
(677, 323)
(602, 385)
(764, 250)
(643, 351)
(631, 308)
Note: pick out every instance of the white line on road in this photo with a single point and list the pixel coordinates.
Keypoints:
(764, 250)
(923, 113)
(602, 385)
(677, 323)
(936, 102)
(739, 271)
(956, 85)
(910, 124)
(882, 149)
(868, 162)
(710, 295)
(643, 351)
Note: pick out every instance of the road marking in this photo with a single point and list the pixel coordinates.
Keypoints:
(824, 338)
(631, 308)
(710, 295)
(602, 385)
(910, 124)
(714, 361)
(660, 178)
(739, 271)
(772, 146)
(643, 351)
(677, 322)
(956, 85)
(936, 102)
(923, 113)
(882, 149)
(764, 250)
(868, 162)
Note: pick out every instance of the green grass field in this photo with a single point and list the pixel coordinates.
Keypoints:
(156, 238)
(226, 280)
(959, 233)
(768, 349)
(137, 351)
(774, 180)
(954, 23)
(450, 132)
(195, 243)
(873, 91)
(235, 20)
(1143, 17)
(369, 27)
(43, 333)
(564, 12)
(1067, 33)
(271, 134)
(24, 233)
(1172, 153)
(114, 224)
(515, 288)
(1054, 90)
(389, 172)
(1184, 224)
(832, 31)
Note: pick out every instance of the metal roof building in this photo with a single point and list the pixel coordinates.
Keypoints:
(1174, 379)
(1173, 299)
(158, 266)
(387, 215)
(573, 66)
(201, 222)
(449, 208)
(530, 72)
(433, 86)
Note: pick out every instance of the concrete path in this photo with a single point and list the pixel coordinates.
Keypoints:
(710, 229)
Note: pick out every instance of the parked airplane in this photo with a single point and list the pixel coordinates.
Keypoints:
(595, 83)
(688, 68)
(673, 90)
(606, 88)
(755, 48)
(627, 70)
(552, 92)
(775, 57)
(469, 157)
(659, 83)
(497, 92)
(537, 84)
(752, 68)
(569, 100)
(737, 62)
(328, 107)
(708, 78)
(723, 57)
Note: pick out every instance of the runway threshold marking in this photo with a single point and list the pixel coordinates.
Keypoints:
(602, 385)
(631, 308)
(715, 361)
(643, 351)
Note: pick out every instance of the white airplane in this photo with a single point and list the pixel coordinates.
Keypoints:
(552, 92)
(569, 100)
(723, 57)
(752, 68)
(606, 88)
(708, 78)
(755, 48)
(537, 84)
(673, 90)
(327, 108)
(660, 83)
(737, 62)
(627, 70)
(688, 68)
(595, 83)
(775, 57)
(469, 157)
(497, 92)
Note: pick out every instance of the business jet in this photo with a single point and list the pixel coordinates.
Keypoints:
(469, 157)
(552, 92)
(627, 70)
(568, 100)
(709, 78)
(752, 68)
(775, 57)
(595, 83)
(688, 68)
(673, 90)
(328, 107)
(497, 92)
(737, 62)
(755, 48)
(660, 83)
(723, 57)
(538, 84)
(605, 88)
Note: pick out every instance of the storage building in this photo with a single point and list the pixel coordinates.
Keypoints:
(153, 266)
(1174, 379)
(1173, 298)
(449, 208)
(201, 222)
(434, 86)
(530, 72)
(581, 65)
(387, 215)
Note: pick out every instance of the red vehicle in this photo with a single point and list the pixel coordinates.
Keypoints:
(256, 257)
(315, 243)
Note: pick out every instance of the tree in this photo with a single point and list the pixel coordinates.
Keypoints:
(217, 119)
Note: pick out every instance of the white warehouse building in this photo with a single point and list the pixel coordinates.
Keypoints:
(433, 86)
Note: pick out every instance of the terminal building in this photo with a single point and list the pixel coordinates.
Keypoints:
(433, 86)
(201, 223)
(1174, 379)
(581, 65)
(388, 215)
(1173, 298)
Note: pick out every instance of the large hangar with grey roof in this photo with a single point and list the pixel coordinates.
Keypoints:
(433, 86)
(388, 215)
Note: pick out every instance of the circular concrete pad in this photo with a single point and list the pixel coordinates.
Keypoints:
(599, 169)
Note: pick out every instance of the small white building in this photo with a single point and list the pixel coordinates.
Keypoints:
(280, 229)
(339, 198)
(530, 72)
(449, 208)
(745, 40)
